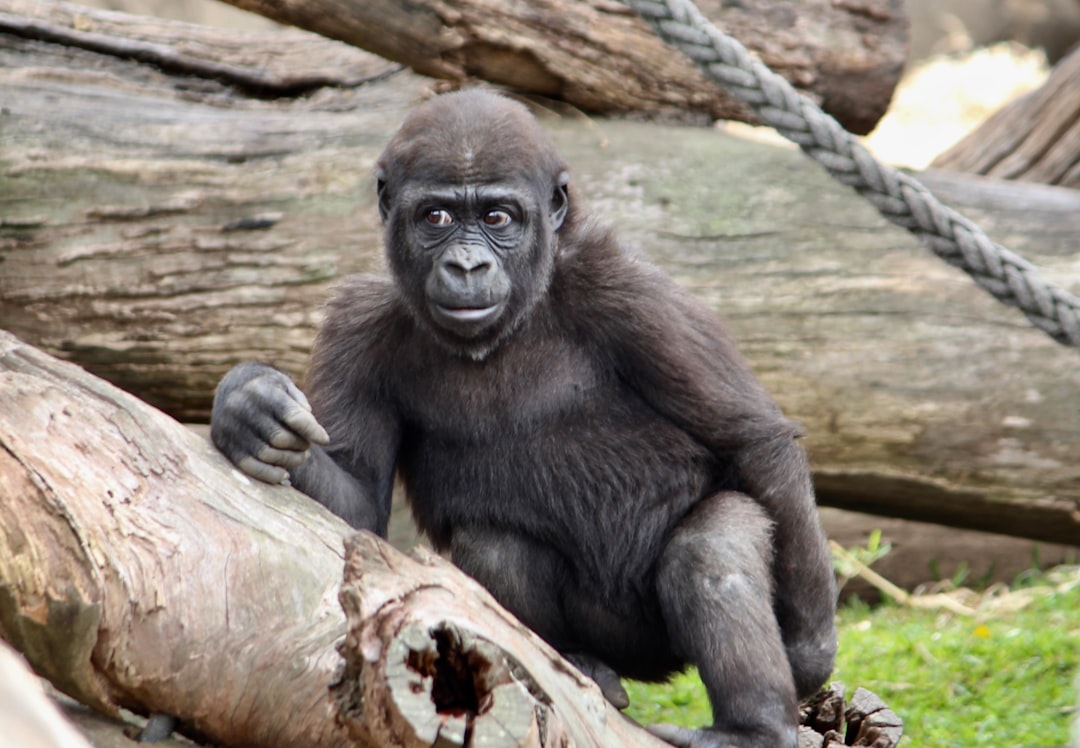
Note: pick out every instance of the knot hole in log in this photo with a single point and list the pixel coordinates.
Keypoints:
(449, 687)
(456, 676)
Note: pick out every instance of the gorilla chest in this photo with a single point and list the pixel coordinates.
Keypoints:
(539, 443)
(520, 393)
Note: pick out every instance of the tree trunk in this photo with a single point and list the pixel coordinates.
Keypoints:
(1035, 138)
(158, 229)
(138, 570)
(599, 56)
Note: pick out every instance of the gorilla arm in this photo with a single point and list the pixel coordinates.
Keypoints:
(679, 358)
(263, 423)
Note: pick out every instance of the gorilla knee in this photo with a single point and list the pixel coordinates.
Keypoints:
(716, 566)
(727, 534)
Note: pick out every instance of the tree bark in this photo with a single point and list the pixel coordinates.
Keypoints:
(599, 56)
(157, 229)
(1035, 138)
(139, 570)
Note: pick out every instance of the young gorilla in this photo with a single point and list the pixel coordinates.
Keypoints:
(578, 433)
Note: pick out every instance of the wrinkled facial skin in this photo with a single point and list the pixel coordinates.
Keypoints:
(468, 243)
(472, 207)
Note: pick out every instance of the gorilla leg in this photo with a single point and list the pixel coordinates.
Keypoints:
(715, 589)
(526, 577)
(805, 594)
(522, 575)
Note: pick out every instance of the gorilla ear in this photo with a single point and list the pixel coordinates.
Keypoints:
(560, 201)
(384, 197)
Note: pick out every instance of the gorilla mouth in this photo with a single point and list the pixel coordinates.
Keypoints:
(468, 313)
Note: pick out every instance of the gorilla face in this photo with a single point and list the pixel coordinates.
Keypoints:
(471, 238)
(471, 232)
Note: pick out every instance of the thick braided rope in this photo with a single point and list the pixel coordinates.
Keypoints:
(899, 197)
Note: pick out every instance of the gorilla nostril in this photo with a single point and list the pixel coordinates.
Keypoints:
(465, 266)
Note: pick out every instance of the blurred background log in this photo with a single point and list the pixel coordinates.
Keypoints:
(1036, 138)
(597, 55)
(160, 226)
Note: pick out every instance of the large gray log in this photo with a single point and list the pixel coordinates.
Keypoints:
(157, 229)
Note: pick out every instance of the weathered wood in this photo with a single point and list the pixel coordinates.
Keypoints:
(1035, 138)
(157, 236)
(138, 570)
(599, 56)
(286, 63)
(864, 720)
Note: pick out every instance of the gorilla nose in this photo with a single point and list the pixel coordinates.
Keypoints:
(466, 262)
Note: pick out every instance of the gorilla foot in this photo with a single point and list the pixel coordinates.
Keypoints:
(712, 737)
(604, 676)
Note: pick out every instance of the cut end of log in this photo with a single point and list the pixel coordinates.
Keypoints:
(414, 673)
(432, 659)
(439, 685)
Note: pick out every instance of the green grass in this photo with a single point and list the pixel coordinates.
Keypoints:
(996, 680)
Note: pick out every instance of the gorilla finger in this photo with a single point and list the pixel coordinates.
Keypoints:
(302, 422)
(287, 458)
(285, 438)
(297, 394)
(613, 690)
(261, 471)
(264, 420)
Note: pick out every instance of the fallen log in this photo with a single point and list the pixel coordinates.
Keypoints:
(1035, 138)
(139, 570)
(599, 56)
(161, 238)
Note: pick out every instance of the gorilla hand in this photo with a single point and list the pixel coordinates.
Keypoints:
(263, 423)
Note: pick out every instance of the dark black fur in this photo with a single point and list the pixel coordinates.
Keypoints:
(594, 450)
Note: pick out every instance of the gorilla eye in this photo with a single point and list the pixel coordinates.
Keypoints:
(497, 218)
(439, 217)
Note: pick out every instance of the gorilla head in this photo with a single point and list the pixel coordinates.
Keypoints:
(473, 194)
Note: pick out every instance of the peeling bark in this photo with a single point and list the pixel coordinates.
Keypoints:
(138, 570)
